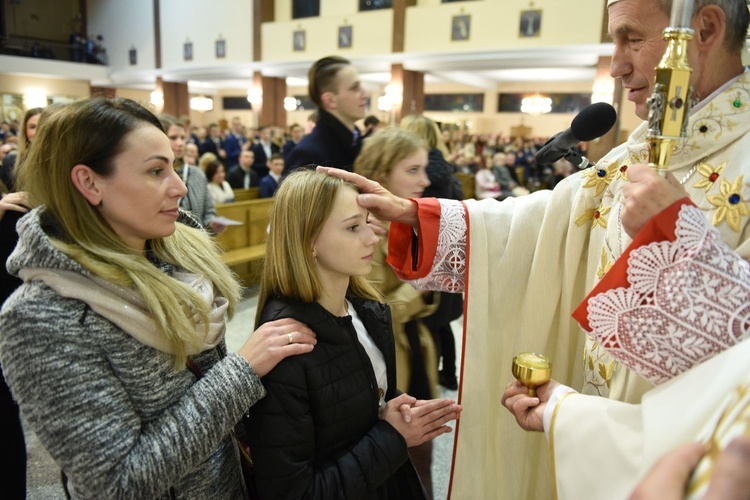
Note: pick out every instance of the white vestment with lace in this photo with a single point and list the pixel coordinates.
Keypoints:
(529, 261)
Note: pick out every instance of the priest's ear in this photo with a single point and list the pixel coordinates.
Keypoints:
(710, 24)
(88, 183)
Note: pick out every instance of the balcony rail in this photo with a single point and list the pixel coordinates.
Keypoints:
(81, 49)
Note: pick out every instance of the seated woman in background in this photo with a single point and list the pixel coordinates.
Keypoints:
(330, 426)
(486, 185)
(220, 189)
(121, 291)
(397, 159)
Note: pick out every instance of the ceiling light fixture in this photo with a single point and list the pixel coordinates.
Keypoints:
(536, 104)
(202, 103)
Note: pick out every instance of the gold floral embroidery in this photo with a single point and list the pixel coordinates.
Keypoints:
(710, 175)
(622, 172)
(703, 128)
(597, 216)
(600, 178)
(599, 369)
(730, 204)
(604, 264)
(606, 371)
(736, 103)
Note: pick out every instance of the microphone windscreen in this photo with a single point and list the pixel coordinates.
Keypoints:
(593, 121)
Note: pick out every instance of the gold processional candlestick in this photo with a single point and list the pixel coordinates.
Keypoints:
(532, 370)
(669, 105)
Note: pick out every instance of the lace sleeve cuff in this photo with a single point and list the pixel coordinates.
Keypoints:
(445, 242)
(684, 302)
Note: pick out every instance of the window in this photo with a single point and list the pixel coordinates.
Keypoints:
(305, 103)
(305, 8)
(375, 4)
(462, 103)
(561, 103)
(228, 102)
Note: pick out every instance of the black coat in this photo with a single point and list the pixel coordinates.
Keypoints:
(8, 241)
(236, 178)
(317, 433)
(330, 144)
(443, 180)
(260, 165)
(209, 146)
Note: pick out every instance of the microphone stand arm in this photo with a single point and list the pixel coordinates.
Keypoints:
(579, 161)
(669, 105)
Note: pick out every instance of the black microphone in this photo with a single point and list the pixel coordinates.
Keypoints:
(593, 121)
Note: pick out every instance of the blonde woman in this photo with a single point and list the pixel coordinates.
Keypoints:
(331, 425)
(122, 291)
(443, 184)
(397, 159)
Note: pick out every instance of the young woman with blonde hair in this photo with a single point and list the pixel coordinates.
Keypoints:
(121, 291)
(443, 184)
(397, 159)
(333, 424)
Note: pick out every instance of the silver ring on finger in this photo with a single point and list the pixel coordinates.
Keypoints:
(291, 338)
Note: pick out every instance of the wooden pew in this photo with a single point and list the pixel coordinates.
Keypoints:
(245, 245)
(252, 193)
(467, 184)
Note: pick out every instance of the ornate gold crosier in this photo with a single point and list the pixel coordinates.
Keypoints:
(669, 105)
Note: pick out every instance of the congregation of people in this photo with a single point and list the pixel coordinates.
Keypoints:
(116, 300)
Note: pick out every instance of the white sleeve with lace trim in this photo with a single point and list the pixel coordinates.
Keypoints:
(448, 272)
(688, 300)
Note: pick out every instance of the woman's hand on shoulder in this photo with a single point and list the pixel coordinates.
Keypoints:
(427, 421)
(274, 341)
(16, 202)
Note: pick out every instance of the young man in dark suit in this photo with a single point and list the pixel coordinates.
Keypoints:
(335, 141)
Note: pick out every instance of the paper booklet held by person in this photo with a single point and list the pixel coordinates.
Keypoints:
(227, 222)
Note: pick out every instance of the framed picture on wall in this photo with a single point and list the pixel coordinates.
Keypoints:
(133, 57)
(531, 23)
(221, 49)
(299, 40)
(345, 37)
(187, 51)
(461, 27)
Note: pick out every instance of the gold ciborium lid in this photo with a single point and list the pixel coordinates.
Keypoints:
(532, 370)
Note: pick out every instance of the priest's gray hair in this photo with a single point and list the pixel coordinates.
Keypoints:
(737, 15)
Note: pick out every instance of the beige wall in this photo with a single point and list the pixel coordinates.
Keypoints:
(338, 7)
(231, 20)
(372, 33)
(11, 84)
(495, 24)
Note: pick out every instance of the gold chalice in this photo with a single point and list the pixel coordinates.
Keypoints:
(532, 370)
